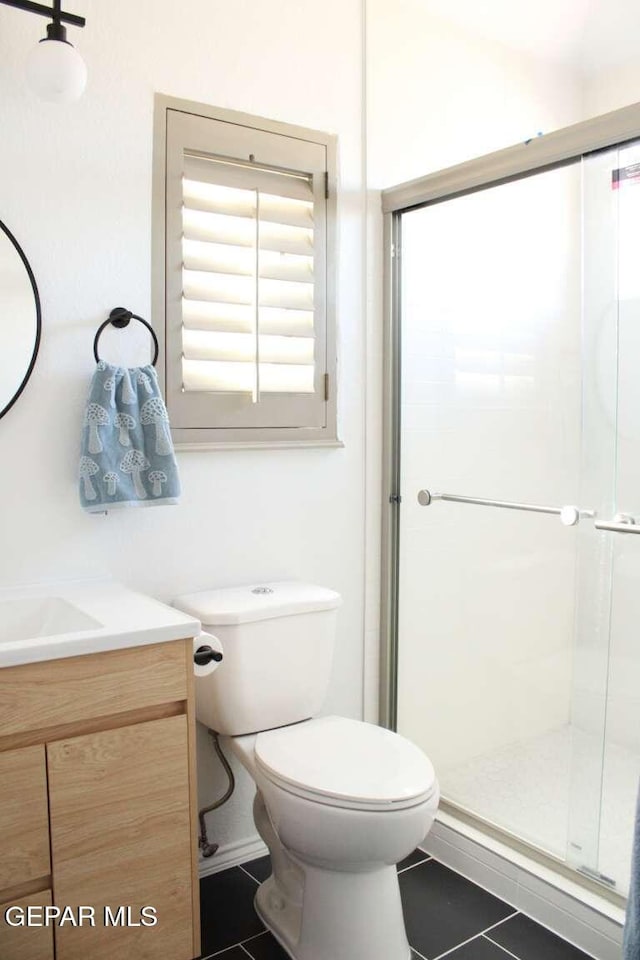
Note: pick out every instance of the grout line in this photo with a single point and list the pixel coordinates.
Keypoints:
(220, 953)
(418, 864)
(254, 937)
(480, 933)
(501, 947)
(250, 940)
(244, 870)
(500, 922)
(418, 954)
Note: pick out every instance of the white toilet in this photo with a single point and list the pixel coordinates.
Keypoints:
(339, 802)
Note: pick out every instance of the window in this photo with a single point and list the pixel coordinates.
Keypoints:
(244, 222)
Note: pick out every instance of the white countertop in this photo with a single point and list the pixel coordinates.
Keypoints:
(107, 616)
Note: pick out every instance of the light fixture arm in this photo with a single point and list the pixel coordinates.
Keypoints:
(53, 13)
(55, 30)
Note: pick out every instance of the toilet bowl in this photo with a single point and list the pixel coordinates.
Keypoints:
(339, 802)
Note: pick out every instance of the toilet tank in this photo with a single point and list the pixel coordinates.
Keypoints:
(278, 643)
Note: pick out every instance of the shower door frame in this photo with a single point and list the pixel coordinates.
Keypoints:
(557, 149)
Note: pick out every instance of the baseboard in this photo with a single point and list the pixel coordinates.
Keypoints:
(591, 925)
(232, 855)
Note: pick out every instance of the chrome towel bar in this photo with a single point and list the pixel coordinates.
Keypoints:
(569, 515)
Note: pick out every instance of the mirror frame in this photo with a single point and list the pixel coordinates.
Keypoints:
(36, 297)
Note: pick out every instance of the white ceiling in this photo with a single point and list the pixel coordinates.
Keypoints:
(582, 33)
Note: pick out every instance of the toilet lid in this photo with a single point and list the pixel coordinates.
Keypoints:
(356, 763)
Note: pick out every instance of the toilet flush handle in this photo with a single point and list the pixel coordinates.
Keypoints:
(205, 654)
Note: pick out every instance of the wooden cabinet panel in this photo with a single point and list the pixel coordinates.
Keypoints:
(24, 827)
(34, 696)
(26, 943)
(121, 837)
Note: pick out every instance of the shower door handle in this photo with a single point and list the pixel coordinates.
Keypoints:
(621, 523)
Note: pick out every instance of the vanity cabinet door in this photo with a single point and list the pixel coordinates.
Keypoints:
(24, 827)
(27, 943)
(121, 838)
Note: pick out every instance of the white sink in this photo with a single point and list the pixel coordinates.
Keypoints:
(30, 617)
(66, 620)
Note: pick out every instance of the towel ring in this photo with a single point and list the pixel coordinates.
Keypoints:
(120, 317)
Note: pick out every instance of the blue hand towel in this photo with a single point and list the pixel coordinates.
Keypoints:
(631, 947)
(127, 457)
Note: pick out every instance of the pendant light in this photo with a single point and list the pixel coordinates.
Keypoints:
(55, 70)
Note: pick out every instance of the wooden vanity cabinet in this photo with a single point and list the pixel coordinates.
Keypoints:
(98, 805)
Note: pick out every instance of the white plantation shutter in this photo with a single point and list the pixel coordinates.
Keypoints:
(246, 280)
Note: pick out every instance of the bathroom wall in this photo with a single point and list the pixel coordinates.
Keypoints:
(75, 188)
(438, 94)
(609, 85)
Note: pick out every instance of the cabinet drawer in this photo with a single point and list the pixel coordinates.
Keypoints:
(34, 696)
(24, 827)
(26, 943)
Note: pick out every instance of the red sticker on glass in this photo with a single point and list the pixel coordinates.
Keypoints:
(624, 175)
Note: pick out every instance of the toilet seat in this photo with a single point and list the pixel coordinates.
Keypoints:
(346, 763)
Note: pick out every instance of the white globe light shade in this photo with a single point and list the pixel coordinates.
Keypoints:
(56, 71)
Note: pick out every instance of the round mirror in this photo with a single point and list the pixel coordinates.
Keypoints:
(19, 320)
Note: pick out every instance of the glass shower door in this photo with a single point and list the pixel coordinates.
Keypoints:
(503, 613)
(606, 696)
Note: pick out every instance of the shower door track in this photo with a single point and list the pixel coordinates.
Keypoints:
(547, 152)
(600, 887)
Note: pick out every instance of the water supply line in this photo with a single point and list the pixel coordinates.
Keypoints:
(208, 849)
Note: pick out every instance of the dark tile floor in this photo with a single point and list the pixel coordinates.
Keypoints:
(445, 914)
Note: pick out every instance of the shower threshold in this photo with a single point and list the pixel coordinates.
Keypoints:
(580, 910)
(521, 792)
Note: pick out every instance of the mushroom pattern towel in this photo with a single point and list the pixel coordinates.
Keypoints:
(127, 457)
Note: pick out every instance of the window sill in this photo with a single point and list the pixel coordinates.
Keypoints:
(257, 445)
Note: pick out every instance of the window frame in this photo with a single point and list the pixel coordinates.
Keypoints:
(218, 437)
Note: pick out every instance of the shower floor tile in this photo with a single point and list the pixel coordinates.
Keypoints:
(446, 915)
(525, 789)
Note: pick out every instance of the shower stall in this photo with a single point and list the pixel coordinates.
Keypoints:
(512, 572)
